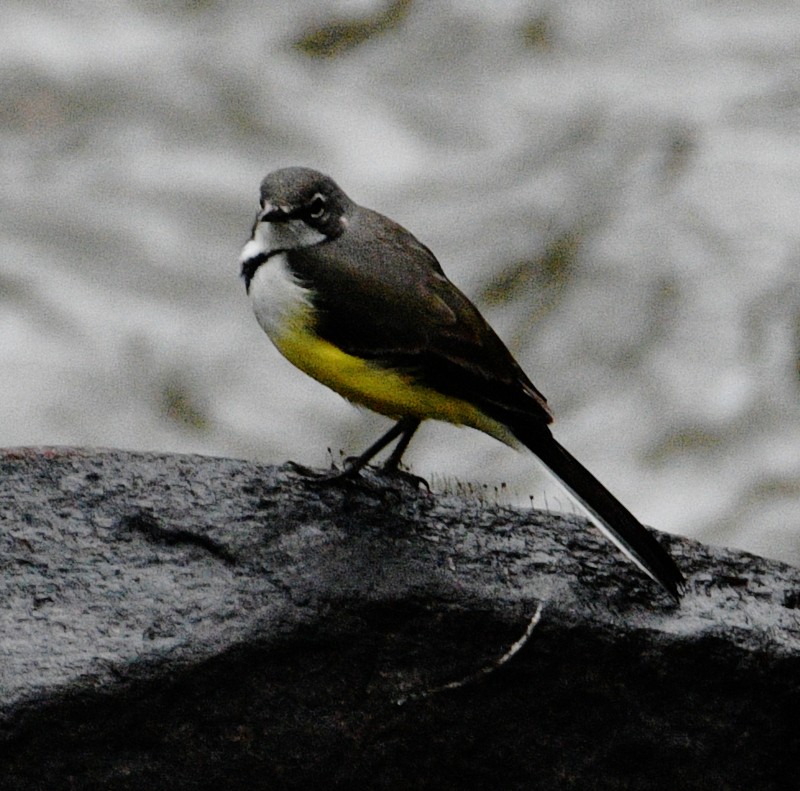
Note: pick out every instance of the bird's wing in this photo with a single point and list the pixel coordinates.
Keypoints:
(383, 296)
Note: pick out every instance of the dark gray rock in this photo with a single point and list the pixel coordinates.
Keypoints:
(188, 623)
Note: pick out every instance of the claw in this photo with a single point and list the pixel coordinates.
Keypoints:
(417, 481)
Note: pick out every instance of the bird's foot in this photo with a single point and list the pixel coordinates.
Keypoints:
(393, 472)
(335, 475)
(351, 471)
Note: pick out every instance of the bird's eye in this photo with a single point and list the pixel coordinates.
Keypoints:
(316, 208)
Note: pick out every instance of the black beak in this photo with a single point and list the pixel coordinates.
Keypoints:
(271, 213)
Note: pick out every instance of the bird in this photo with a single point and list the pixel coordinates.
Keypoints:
(358, 303)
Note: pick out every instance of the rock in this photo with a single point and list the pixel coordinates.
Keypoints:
(186, 622)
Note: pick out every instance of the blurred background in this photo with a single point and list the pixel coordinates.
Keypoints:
(615, 184)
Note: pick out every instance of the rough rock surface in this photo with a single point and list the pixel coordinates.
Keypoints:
(186, 622)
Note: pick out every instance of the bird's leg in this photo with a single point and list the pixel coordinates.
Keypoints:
(393, 462)
(404, 428)
(392, 465)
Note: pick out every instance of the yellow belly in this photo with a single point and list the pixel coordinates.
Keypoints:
(384, 391)
(284, 309)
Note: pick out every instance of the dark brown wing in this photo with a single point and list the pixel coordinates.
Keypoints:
(382, 295)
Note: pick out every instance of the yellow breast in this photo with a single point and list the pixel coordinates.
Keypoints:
(383, 390)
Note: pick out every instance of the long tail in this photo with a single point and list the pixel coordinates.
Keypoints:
(613, 519)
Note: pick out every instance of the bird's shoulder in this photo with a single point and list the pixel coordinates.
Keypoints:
(378, 272)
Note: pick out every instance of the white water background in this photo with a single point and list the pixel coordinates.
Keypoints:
(616, 185)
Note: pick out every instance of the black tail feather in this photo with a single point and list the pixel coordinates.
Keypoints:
(616, 521)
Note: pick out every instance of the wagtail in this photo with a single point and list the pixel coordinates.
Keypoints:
(358, 303)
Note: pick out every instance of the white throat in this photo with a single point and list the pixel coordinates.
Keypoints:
(281, 303)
